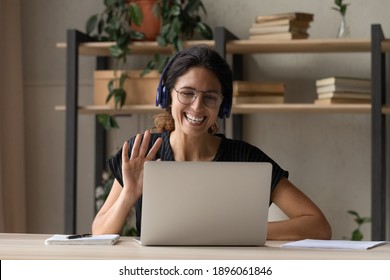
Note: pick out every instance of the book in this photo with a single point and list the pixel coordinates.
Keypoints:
(279, 36)
(343, 88)
(345, 94)
(258, 99)
(282, 22)
(345, 81)
(341, 101)
(246, 88)
(290, 16)
(259, 93)
(277, 29)
(104, 239)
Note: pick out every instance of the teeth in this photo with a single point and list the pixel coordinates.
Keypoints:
(194, 119)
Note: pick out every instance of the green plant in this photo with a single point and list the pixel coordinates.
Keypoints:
(356, 233)
(340, 7)
(181, 21)
(114, 24)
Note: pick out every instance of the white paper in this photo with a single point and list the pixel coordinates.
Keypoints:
(334, 244)
(104, 239)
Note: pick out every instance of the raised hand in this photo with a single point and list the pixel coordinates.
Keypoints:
(133, 167)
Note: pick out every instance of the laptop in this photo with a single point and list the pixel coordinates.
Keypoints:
(205, 203)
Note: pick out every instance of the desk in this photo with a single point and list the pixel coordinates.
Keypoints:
(31, 246)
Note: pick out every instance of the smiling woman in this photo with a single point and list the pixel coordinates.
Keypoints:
(196, 89)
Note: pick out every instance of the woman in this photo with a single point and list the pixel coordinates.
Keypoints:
(196, 89)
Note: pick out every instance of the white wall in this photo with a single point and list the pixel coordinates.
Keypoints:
(328, 156)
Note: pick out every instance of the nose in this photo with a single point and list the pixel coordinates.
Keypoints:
(198, 102)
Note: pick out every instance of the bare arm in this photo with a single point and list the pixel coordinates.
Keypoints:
(113, 214)
(306, 220)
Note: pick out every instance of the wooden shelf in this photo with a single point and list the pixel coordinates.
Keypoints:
(301, 108)
(237, 109)
(244, 46)
(124, 111)
(294, 46)
(151, 48)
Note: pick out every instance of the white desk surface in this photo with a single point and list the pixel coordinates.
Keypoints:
(31, 246)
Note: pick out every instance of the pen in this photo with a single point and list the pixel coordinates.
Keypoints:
(79, 236)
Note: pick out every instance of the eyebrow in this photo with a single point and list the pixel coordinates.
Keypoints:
(205, 91)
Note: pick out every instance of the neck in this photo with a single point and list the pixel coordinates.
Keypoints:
(186, 148)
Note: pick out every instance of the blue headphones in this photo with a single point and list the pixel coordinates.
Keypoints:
(162, 95)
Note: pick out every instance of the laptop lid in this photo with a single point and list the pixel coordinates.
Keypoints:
(205, 203)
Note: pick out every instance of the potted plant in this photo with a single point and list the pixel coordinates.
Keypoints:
(341, 7)
(113, 24)
(181, 21)
(119, 23)
(357, 235)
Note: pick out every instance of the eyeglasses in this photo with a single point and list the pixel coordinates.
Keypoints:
(187, 96)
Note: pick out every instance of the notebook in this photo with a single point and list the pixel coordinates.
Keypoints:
(61, 239)
(205, 203)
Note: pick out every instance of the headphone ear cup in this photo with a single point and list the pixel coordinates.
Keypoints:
(164, 97)
(225, 108)
(161, 96)
(158, 96)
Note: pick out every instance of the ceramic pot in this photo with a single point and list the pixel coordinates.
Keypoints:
(151, 24)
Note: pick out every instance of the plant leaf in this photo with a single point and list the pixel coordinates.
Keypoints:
(175, 11)
(174, 30)
(122, 79)
(137, 35)
(110, 2)
(116, 51)
(205, 30)
(107, 121)
(352, 212)
(192, 6)
(357, 235)
(161, 41)
(156, 10)
(110, 85)
(91, 24)
(179, 45)
(135, 14)
(119, 97)
(100, 27)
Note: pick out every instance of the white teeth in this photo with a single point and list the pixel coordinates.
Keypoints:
(194, 119)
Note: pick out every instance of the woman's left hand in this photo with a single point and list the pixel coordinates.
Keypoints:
(133, 167)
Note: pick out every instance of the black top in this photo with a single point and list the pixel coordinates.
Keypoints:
(228, 150)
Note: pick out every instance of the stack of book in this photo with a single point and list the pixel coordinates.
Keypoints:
(245, 92)
(334, 90)
(281, 26)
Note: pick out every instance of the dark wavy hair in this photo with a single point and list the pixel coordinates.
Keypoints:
(196, 56)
